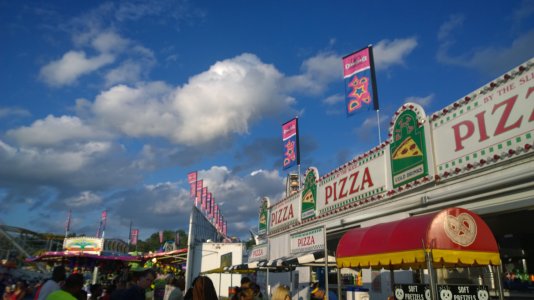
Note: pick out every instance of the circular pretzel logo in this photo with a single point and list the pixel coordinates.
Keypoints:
(462, 230)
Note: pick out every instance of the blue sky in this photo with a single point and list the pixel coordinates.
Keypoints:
(108, 105)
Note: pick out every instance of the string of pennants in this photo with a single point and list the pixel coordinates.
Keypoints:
(205, 202)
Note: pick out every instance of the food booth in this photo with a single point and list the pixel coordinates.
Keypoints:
(451, 238)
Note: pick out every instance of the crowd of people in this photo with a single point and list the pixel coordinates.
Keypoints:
(135, 286)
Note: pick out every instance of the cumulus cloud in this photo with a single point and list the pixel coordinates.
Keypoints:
(317, 72)
(71, 66)
(488, 60)
(13, 112)
(54, 130)
(109, 41)
(388, 53)
(423, 101)
(224, 100)
(83, 199)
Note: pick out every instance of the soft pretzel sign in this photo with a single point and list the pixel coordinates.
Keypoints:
(488, 126)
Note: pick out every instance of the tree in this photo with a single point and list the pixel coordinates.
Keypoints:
(153, 244)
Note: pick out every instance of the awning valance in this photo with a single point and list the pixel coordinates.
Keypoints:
(454, 236)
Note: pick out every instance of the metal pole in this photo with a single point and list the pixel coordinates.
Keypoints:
(190, 246)
(325, 262)
(499, 282)
(378, 121)
(339, 283)
(432, 279)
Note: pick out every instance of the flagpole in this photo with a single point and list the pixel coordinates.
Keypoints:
(67, 227)
(378, 121)
(130, 236)
(375, 90)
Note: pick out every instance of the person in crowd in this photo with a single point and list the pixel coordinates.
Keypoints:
(245, 281)
(70, 290)
(141, 281)
(7, 293)
(21, 289)
(318, 292)
(96, 291)
(281, 292)
(53, 284)
(246, 293)
(257, 292)
(178, 292)
(169, 287)
(203, 289)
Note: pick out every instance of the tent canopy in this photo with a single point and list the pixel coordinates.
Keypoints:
(454, 236)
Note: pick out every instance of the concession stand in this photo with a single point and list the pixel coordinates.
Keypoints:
(443, 209)
(453, 237)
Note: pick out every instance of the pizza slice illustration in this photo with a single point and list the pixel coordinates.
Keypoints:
(408, 148)
(308, 197)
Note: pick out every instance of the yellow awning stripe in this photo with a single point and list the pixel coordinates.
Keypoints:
(416, 259)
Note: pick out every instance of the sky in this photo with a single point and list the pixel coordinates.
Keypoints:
(108, 105)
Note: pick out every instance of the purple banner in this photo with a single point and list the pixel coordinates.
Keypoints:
(290, 140)
(360, 82)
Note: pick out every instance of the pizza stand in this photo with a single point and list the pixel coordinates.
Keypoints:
(453, 237)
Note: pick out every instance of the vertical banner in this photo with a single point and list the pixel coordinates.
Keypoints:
(192, 180)
(192, 177)
(208, 204)
(360, 81)
(104, 219)
(161, 236)
(204, 198)
(290, 139)
(67, 222)
(198, 193)
(134, 234)
(212, 213)
(177, 240)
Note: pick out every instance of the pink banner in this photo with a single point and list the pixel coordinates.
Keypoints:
(356, 62)
(134, 234)
(192, 177)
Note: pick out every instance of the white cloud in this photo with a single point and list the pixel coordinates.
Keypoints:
(49, 163)
(84, 199)
(54, 130)
(490, 60)
(127, 72)
(317, 73)
(71, 66)
(423, 101)
(13, 111)
(334, 99)
(222, 101)
(107, 42)
(388, 53)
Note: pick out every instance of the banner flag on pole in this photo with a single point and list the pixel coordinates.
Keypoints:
(198, 192)
(212, 210)
(104, 218)
(161, 236)
(67, 222)
(204, 197)
(192, 177)
(290, 138)
(134, 234)
(208, 204)
(192, 180)
(360, 81)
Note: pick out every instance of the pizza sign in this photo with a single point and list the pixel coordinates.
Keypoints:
(408, 151)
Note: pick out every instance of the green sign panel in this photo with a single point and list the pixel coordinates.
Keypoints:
(309, 194)
(263, 218)
(408, 151)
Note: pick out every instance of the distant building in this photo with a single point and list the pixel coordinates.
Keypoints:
(292, 184)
